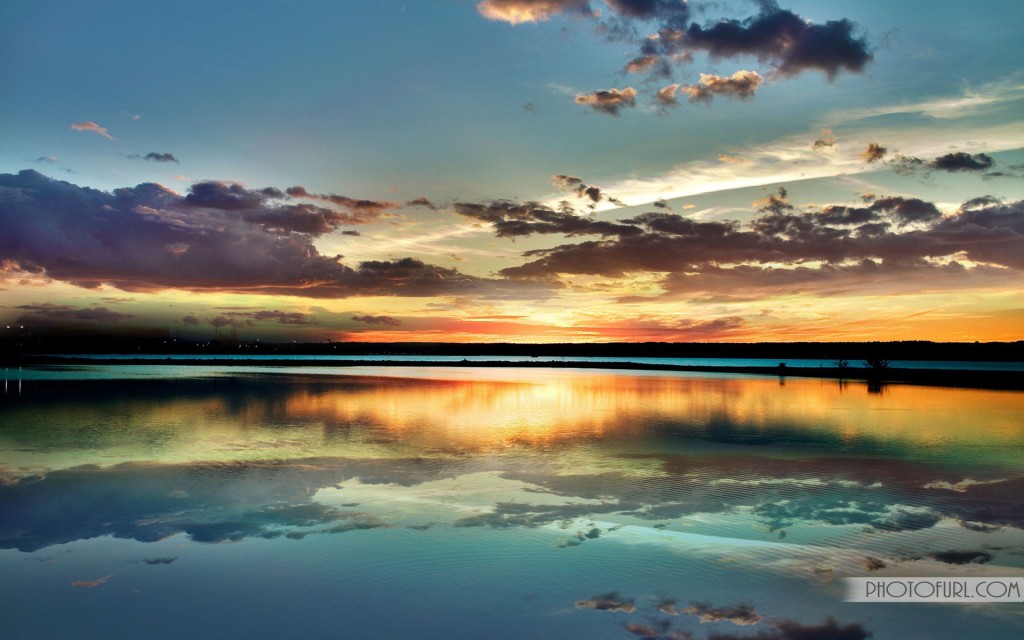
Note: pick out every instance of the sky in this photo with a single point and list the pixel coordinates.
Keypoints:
(513, 170)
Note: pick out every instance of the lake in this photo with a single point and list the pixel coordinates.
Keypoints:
(160, 501)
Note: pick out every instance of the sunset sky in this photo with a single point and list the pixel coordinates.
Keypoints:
(513, 170)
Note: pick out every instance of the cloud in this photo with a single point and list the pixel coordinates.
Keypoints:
(741, 84)
(666, 97)
(566, 183)
(873, 152)
(520, 11)
(962, 557)
(91, 584)
(421, 202)
(359, 211)
(794, 630)
(190, 320)
(378, 320)
(92, 126)
(512, 219)
(663, 34)
(239, 239)
(247, 318)
(781, 37)
(612, 101)
(155, 157)
(50, 159)
(896, 240)
(827, 140)
(740, 614)
(961, 161)
(157, 561)
(47, 314)
(610, 601)
(656, 65)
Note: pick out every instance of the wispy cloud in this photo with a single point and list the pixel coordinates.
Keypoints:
(92, 126)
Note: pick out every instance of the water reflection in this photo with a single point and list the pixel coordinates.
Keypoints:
(806, 481)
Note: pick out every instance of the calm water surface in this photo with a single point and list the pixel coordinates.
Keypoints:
(436, 502)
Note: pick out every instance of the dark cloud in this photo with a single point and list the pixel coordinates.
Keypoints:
(741, 84)
(566, 183)
(378, 320)
(827, 139)
(962, 557)
(421, 202)
(220, 236)
(529, 107)
(951, 162)
(611, 101)
(893, 239)
(739, 614)
(47, 313)
(156, 561)
(873, 152)
(50, 159)
(784, 39)
(358, 211)
(960, 161)
(190, 319)
(280, 317)
(794, 630)
(155, 157)
(512, 219)
(610, 601)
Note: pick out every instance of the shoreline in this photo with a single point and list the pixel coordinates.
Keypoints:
(1001, 380)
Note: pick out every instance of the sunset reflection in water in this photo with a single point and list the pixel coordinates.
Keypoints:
(695, 488)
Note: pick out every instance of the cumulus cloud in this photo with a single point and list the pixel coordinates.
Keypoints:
(656, 65)
(782, 38)
(592, 194)
(666, 97)
(421, 202)
(611, 101)
(610, 601)
(92, 126)
(957, 162)
(387, 321)
(741, 84)
(520, 11)
(239, 239)
(827, 140)
(740, 614)
(512, 219)
(873, 152)
(155, 157)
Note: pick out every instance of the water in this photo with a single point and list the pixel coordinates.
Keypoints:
(687, 362)
(437, 502)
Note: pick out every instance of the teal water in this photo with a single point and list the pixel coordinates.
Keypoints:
(496, 503)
